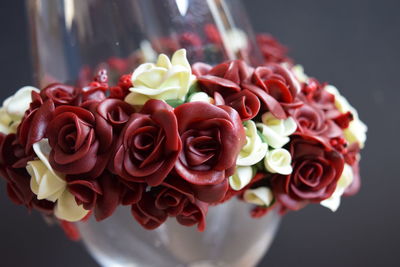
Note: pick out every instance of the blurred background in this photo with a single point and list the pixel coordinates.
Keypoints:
(353, 44)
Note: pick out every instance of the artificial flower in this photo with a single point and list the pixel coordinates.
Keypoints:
(79, 145)
(149, 144)
(278, 161)
(346, 179)
(261, 196)
(357, 130)
(13, 109)
(165, 80)
(316, 171)
(276, 131)
(241, 178)
(254, 150)
(212, 138)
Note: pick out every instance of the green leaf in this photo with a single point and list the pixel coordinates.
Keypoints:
(262, 137)
(174, 102)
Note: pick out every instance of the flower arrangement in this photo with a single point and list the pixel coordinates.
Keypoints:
(173, 139)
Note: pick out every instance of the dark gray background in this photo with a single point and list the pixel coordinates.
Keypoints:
(353, 44)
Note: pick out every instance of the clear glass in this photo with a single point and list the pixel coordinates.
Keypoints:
(72, 39)
(231, 239)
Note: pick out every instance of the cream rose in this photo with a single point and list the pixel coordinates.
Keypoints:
(165, 80)
(254, 150)
(357, 130)
(13, 109)
(278, 161)
(345, 181)
(298, 72)
(276, 131)
(49, 185)
(261, 196)
(241, 177)
(200, 97)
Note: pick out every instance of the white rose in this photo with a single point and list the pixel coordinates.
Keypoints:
(14, 108)
(357, 130)
(298, 72)
(45, 183)
(201, 97)
(50, 185)
(67, 209)
(279, 161)
(261, 196)
(254, 150)
(276, 131)
(346, 179)
(164, 80)
(241, 177)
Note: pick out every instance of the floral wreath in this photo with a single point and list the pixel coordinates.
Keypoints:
(171, 140)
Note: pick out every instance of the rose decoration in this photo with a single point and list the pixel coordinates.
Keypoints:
(76, 142)
(148, 145)
(211, 138)
(171, 144)
(275, 131)
(278, 82)
(313, 121)
(278, 161)
(49, 185)
(346, 179)
(316, 171)
(261, 196)
(254, 150)
(356, 131)
(13, 109)
(241, 178)
(61, 94)
(164, 80)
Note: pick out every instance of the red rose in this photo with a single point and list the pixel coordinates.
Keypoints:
(114, 112)
(245, 103)
(174, 198)
(177, 199)
(77, 142)
(227, 79)
(101, 194)
(271, 49)
(311, 120)
(33, 125)
(147, 214)
(61, 94)
(278, 82)
(212, 137)
(13, 161)
(316, 171)
(149, 144)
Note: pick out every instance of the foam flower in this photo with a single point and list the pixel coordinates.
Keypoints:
(279, 161)
(276, 131)
(13, 109)
(261, 196)
(357, 130)
(167, 79)
(344, 182)
(241, 177)
(254, 150)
